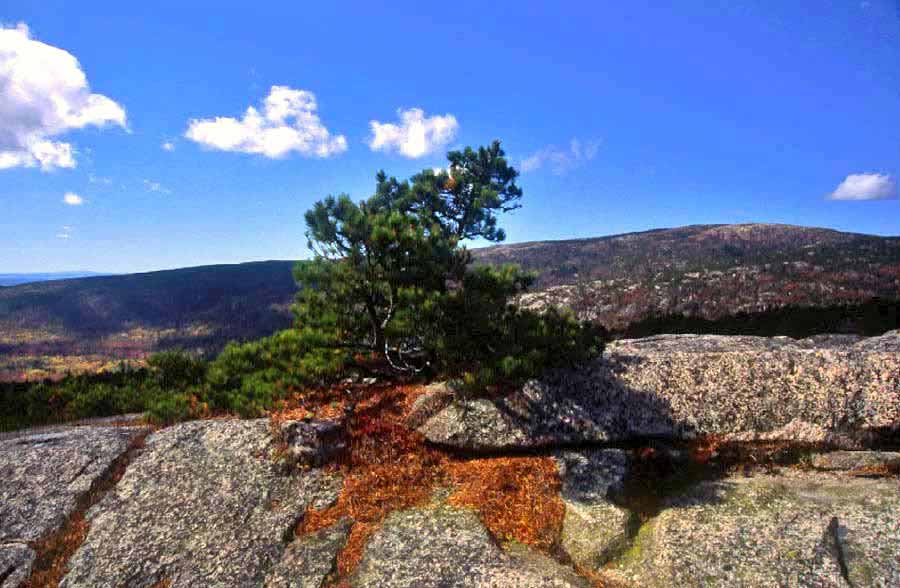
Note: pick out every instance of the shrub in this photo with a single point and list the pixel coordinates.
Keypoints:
(169, 408)
(177, 369)
(390, 278)
(249, 378)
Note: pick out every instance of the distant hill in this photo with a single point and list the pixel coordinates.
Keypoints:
(119, 317)
(718, 276)
(231, 297)
(706, 271)
(16, 279)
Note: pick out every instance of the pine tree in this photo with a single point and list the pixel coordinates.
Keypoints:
(391, 274)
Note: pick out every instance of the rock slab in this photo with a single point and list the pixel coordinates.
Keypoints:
(15, 564)
(444, 547)
(203, 505)
(308, 561)
(595, 530)
(809, 530)
(838, 393)
(42, 475)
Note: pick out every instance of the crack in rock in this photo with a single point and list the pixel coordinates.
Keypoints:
(204, 504)
(834, 529)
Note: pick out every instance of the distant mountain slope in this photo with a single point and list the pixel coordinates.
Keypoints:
(88, 321)
(226, 296)
(16, 279)
(703, 271)
(669, 252)
(708, 271)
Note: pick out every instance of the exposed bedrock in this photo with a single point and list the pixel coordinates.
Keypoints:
(837, 392)
(44, 476)
(444, 547)
(204, 504)
(791, 529)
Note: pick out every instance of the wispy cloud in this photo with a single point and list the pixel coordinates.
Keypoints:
(416, 135)
(168, 146)
(288, 122)
(43, 94)
(65, 232)
(73, 199)
(152, 186)
(99, 180)
(561, 160)
(866, 186)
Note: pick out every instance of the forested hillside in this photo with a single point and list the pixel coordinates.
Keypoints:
(718, 276)
(706, 271)
(84, 324)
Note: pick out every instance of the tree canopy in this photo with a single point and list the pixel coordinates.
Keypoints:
(391, 274)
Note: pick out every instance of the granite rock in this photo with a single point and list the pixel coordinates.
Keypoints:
(314, 442)
(203, 505)
(444, 547)
(792, 529)
(595, 529)
(44, 474)
(15, 564)
(844, 393)
(307, 561)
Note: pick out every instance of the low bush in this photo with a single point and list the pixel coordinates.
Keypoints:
(485, 340)
(169, 408)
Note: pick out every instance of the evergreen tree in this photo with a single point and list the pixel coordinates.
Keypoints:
(391, 274)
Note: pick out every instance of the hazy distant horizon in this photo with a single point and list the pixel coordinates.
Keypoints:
(62, 274)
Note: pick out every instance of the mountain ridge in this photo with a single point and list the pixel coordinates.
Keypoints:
(706, 272)
(17, 279)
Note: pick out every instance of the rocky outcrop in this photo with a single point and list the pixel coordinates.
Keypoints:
(800, 529)
(444, 547)
(44, 474)
(43, 477)
(831, 391)
(307, 561)
(210, 503)
(313, 442)
(595, 530)
(202, 505)
(15, 564)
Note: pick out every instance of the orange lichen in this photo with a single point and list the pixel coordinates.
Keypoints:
(349, 558)
(390, 467)
(517, 497)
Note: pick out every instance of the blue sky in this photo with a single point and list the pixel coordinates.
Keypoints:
(626, 116)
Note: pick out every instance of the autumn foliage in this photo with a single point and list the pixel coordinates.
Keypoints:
(391, 468)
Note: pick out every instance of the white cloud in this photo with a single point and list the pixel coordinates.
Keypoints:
(73, 199)
(872, 186)
(65, 232)
(152, 186)
(288, 123)
(168, 146)
(562, 160)
(99, 180)
(44, 94)
(416, 135)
